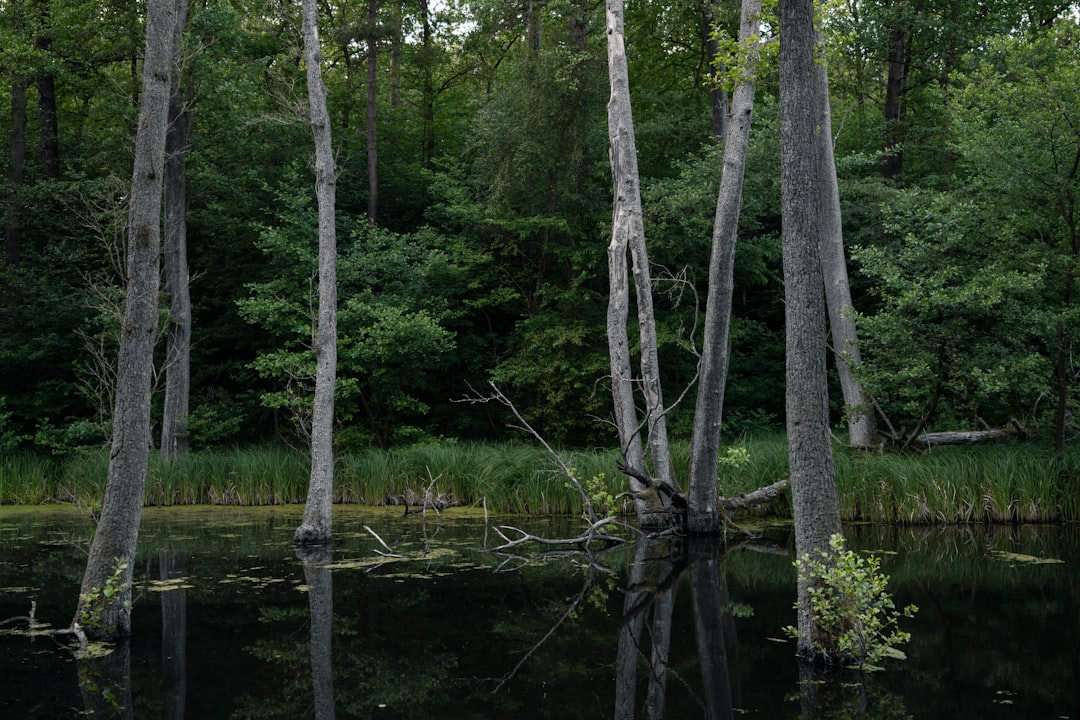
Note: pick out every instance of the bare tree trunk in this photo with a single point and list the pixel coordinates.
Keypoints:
(857, 409)
(316, 525)
(628, 232)
(703, 514)
(174, 438)
(372, 102)
(118, 526)
(813, 478)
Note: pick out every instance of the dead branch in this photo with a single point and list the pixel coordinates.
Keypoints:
(581, 542)
(755, 497)
(524, 426)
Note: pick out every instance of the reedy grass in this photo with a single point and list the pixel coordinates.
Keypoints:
(1008, 482)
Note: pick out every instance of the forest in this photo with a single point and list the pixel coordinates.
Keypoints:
(474, 206)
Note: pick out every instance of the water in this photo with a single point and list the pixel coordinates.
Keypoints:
(230, 623)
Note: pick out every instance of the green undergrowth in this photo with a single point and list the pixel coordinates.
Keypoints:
(1009, 482)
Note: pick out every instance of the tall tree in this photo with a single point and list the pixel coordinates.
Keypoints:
(316, 525)
(112, 552)
(174, 436)
(862, 429)
(815, 502)
(703, 513)
(628, 236)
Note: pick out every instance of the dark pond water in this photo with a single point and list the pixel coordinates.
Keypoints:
(230, 623)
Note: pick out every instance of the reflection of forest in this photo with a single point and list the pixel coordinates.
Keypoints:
(442, 630)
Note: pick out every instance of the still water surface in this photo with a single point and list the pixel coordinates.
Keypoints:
(229, 622)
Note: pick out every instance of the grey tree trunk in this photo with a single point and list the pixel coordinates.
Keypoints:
(703, 514)
(628, 234)
(813, 479)
(174, 437)
(315, 527)
(372, 101)
(118, 527)
(862, 428)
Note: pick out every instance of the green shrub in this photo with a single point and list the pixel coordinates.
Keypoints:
(855, 620)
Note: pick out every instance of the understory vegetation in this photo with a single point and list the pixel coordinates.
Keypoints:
(1016, 482)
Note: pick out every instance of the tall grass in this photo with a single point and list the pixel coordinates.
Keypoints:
(1020, 482)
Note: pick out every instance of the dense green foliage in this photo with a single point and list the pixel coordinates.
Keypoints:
(488, 258)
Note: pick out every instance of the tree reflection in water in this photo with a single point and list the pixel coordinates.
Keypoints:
(317, 575)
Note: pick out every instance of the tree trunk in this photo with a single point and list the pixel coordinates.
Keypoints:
(703, 515)
(118, 527)
(813, 479)
(372, 100)
(892, 159)
(48, 130)
(174, 437)
(316, 525)
(16, 173)
(428, 89)
(718, 99)
(858, 411)
(628, 234)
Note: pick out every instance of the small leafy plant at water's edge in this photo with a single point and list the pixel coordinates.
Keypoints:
(98, 599)
(855, 619)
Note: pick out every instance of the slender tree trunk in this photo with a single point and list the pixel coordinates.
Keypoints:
(372, 100)
(718, 99)
(118, 526)
(703, 513)
(316, 525)
(892, 158)
(428, 88)
(862, 429)
(174, 437)
(628, 234)
(16, 173)
(48, 129)
(395, 56)
(813, 480)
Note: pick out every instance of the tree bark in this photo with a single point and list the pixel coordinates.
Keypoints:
(703, 515)
(862, 430)
(628, 232)
(813, 478)
(118, 525)
(174, 424)
(372, 105)
(316, 525)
